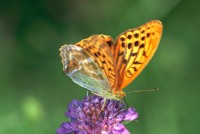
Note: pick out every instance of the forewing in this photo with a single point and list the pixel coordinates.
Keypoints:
(98, 48)
(134, 49)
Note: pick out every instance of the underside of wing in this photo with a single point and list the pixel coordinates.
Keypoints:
(134, 49)
(98, 48)
(81, 68)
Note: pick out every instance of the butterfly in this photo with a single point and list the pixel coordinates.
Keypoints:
(105, 66)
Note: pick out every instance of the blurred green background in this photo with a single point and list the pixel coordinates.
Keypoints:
(34, 92)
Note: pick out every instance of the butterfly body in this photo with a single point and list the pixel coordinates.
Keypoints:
(105, 66)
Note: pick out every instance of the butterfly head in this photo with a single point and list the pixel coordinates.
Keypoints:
(119, 94)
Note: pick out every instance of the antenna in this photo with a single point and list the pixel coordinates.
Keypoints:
(147, 90)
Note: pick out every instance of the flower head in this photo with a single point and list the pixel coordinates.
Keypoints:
(87, 117)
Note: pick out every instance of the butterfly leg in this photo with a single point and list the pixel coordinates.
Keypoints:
(102, 108)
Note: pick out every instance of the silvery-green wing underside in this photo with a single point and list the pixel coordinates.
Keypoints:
(79, 66)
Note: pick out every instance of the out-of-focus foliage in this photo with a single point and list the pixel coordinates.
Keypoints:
(34, 92)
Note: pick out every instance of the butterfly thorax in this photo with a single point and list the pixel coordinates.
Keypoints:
(111, 95)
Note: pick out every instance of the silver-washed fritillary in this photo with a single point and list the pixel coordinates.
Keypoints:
(105, 66)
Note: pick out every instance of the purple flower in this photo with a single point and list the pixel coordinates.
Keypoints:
(87, 117)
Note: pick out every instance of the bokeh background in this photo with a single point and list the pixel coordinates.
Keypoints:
(34, 92)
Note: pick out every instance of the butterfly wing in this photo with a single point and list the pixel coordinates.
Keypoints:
(89, 63)
(134, 49)
(79, 66)
(98, 47)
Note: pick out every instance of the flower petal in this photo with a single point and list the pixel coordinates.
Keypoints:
(119, 129)
(73, 109)
(131, 114)
(66, 127)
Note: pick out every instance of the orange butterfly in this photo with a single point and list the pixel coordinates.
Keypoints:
(104, 66)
